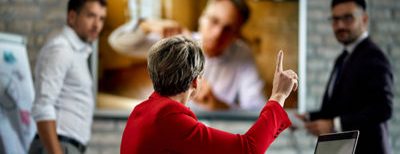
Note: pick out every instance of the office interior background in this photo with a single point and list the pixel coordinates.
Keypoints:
(37, 20)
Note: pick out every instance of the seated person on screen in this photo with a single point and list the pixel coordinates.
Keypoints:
(231, 80)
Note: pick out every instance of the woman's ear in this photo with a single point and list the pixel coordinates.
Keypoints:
(195, 83)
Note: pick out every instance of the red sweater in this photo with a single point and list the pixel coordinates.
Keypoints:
(162, 125)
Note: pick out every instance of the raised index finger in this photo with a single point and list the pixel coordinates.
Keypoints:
(279, 61)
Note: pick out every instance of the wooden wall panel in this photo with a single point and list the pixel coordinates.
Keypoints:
(273, 26)
(186, 12)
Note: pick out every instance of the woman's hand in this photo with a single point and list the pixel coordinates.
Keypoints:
(285, 81)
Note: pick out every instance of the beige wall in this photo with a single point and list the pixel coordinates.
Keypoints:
(186, 12)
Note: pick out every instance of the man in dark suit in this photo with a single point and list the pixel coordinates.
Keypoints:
(359, 92)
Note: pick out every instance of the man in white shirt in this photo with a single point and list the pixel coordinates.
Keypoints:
(64, 103)
(232, 81)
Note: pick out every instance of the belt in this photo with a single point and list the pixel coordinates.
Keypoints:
(77, 144)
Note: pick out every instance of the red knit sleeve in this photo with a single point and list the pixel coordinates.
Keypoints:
(184, 134)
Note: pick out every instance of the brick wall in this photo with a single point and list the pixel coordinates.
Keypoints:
(39, 19)
(35, 19)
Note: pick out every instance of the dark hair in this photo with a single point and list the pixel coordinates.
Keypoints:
(240, 5)
(173, 63)
(243, 9)
(360, 3)
(76, 5)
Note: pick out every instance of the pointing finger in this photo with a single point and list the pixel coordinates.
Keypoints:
(279, 67)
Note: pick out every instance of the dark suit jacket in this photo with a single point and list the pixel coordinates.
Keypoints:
(362, 98)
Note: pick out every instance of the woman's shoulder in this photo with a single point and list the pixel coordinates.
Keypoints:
(169, 107)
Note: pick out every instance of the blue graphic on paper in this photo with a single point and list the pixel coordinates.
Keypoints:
(16, 97)
(9, 57)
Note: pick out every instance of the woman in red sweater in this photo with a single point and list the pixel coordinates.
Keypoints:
(163, 124)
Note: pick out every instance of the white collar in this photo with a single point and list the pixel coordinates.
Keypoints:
(76, 43)
(350, 47)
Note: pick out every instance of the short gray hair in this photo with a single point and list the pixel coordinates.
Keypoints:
(173, 63)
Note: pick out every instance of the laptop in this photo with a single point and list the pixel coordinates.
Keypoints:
(337, 143)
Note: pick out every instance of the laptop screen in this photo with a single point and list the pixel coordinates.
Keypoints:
(337, 143)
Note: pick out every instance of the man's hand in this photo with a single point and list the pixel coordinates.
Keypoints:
(302, 117)
(319, 127)
(284, 81)
(206, 98)
(165, 28)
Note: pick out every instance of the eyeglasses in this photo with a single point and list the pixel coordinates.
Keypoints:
(346, 19)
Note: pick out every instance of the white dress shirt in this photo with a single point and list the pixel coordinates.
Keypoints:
(64, 85)
(233, 76)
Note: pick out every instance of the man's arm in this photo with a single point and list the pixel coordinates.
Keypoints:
(48, 136)
(137, 36)
(51, 68)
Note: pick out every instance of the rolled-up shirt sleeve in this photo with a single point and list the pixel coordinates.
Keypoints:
(50, 71)
(130, 40)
